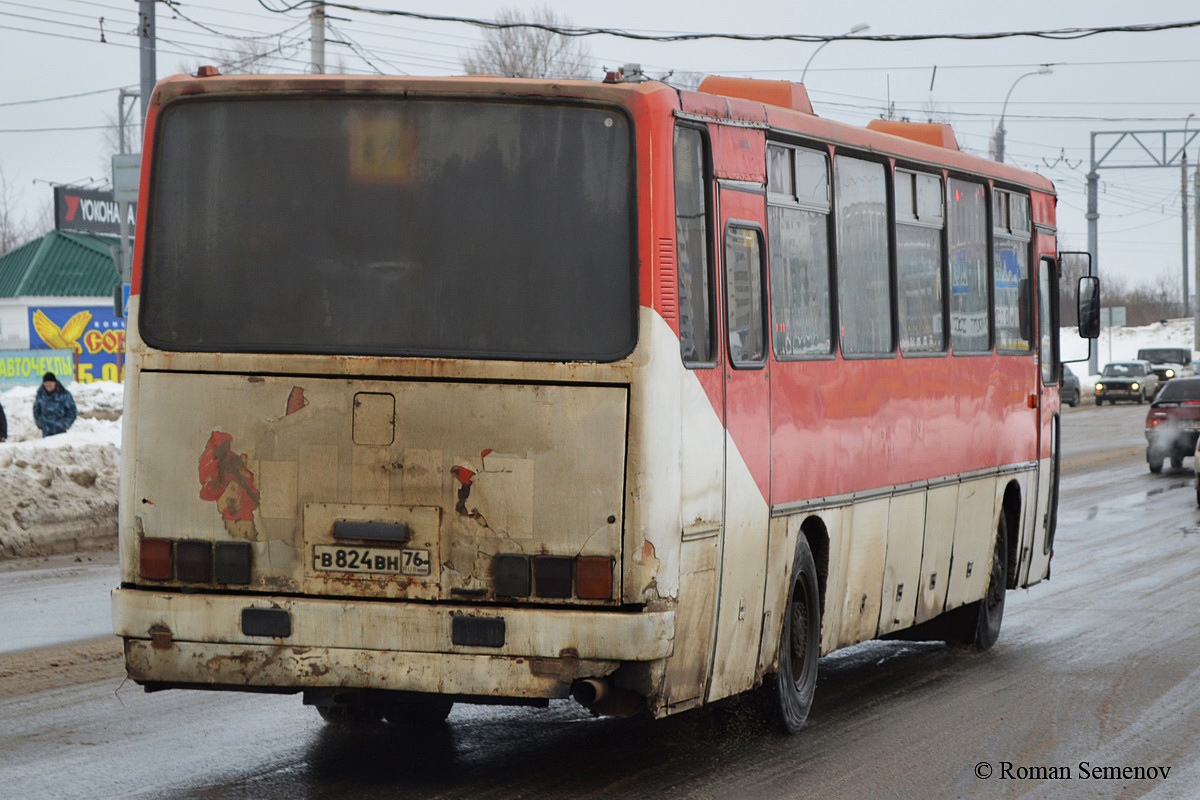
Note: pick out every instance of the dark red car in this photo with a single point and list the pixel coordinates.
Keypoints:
(1173, 423)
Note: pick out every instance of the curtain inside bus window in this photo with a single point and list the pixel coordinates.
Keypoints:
(391, 226)
(966, 227)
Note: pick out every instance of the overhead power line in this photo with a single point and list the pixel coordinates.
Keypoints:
(572, 30)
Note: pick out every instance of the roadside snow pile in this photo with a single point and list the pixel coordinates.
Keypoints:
(1122, 344)
(60, 494)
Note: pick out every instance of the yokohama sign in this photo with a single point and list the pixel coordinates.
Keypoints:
(88, 211)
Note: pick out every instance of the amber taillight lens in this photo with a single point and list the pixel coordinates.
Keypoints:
(594, 578)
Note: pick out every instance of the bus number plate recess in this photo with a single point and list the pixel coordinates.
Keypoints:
(386, 561)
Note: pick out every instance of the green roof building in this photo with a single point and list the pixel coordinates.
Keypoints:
(56, 293)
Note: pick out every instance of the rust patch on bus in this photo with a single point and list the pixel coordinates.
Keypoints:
(464, 476)
(226, 480)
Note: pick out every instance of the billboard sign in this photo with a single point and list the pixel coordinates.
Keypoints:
(89, 211)
(26, 367)
(93, 334)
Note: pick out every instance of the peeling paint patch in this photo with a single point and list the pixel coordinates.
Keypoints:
(463, 475)
(296, 401)
(649, 559)
(226, 480)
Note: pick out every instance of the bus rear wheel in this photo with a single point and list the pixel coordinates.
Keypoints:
(350, 716)
(417, 712)
(791, 690)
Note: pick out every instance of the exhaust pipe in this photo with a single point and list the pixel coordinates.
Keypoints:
(599, 696)
(589, 691)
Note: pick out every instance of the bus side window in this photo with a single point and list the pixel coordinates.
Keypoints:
(696, 339)
(743, 275)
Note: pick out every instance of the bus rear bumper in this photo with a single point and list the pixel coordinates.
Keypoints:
(202, 640)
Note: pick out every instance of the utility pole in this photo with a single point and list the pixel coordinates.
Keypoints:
(317, 19)
(1196, 255)
(124, 249)
(1183, 216)
(1142, 150)
(1183, 193)
(146, 40)
(1093, 220)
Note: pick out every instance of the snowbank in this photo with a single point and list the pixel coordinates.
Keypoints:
(60, 494)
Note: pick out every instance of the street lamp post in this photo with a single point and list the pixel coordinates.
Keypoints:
(1044, 69)
(859, 28)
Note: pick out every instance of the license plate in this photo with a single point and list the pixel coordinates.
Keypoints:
(384, 561)
(1191, 425)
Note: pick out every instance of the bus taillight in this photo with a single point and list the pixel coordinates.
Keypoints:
(154, 561)
(192, 561)
(594, 577)
(552, 576)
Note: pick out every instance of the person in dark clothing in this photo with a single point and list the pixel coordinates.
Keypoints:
(54, 407)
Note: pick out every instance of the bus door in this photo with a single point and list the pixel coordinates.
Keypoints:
(1035, 564)
(742, 255)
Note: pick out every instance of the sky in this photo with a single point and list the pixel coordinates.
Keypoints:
(74, 56)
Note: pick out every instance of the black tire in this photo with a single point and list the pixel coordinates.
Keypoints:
(991, 607)
(978, 624)
(417, 712)
(1176, 462)
(1141, 399)
(351, 716)
(1099, 402)
(791, 691)
(1156, 463)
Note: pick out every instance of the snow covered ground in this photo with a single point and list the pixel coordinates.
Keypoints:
(60, 494)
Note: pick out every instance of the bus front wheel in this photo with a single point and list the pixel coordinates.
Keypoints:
(800, 644)
(981, 620)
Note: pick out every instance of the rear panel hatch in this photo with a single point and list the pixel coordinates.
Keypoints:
(382, 488)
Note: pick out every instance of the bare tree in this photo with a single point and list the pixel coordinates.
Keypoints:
(530, 52)
(13, 233)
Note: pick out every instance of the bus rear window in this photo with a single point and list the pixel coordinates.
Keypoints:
(396, 227)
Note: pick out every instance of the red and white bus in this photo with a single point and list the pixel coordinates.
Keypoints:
(487, 390)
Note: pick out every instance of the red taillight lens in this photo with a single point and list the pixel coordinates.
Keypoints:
(193, 562)
(552, 576)
(594, 578)
(154, 559)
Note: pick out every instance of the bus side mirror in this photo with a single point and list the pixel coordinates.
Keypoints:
(1089, 307)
